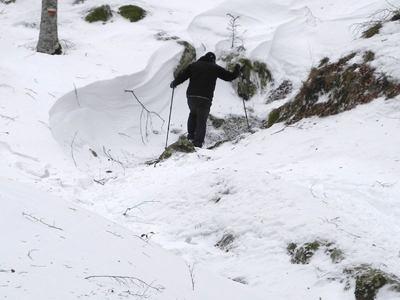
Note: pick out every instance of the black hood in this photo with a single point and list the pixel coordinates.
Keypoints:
(209, 57)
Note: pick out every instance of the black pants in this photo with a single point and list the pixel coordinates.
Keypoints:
(197, 121)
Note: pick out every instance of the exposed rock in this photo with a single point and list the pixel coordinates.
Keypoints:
(229, 128)
(396, 16)
(7, 1)
(368, 281)
(188, 56)
(281, 92)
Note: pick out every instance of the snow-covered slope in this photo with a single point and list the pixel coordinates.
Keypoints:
(333, 179)
(317, 180)
(55, 250)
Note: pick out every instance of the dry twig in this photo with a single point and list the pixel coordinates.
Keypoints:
(127, 280)
(72, 148)
(137, 206)
(149, 120)
(34, 219)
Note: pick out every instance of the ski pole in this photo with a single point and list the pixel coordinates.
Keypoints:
(245, 112)
(169, 119)
(244, 104)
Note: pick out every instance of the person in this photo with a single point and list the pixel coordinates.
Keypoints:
(203, 75)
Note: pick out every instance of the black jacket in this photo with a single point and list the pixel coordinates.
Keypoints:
(203, 76)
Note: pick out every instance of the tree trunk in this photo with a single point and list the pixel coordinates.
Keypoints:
(48, 36)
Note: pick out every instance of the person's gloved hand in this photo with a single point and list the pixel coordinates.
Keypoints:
(172, 85)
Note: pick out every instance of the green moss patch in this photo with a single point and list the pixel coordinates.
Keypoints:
(99, 14)
(132, 12)
(188, 56)
(345, 85)
(182, 145)
(369, 280)
(336, 254)
(273, 117)
(302, 254)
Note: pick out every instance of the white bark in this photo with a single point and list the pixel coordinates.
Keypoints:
(48, 38)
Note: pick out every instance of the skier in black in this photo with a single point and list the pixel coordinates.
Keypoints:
(203, 75)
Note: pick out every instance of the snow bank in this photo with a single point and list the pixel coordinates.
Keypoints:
(104, 114)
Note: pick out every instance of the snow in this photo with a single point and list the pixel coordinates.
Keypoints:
(334, 178)
(272, 194)
(58, 250)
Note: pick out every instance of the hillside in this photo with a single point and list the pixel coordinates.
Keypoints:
(306, 202)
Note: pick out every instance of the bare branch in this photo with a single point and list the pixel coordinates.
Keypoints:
(126, 280)
(33, 218)
(192, 275)
(115, 234)
(137, 206)
(76, 95)
(149, 120)
(232, 27)
(8, 118)
(378, 17)
(30, 253)
(103, 181)
(107, 153)
(27, 93)
(72, 148)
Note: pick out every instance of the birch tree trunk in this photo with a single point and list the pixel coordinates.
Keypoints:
(48, 37)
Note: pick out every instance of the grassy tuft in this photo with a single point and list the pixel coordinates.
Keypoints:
(373, 30)
(345, 85)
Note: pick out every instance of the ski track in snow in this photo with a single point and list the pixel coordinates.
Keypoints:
(334, 178)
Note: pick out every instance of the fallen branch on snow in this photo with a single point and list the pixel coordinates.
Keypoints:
(34, 219)
(126, 280)
(137, 206)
